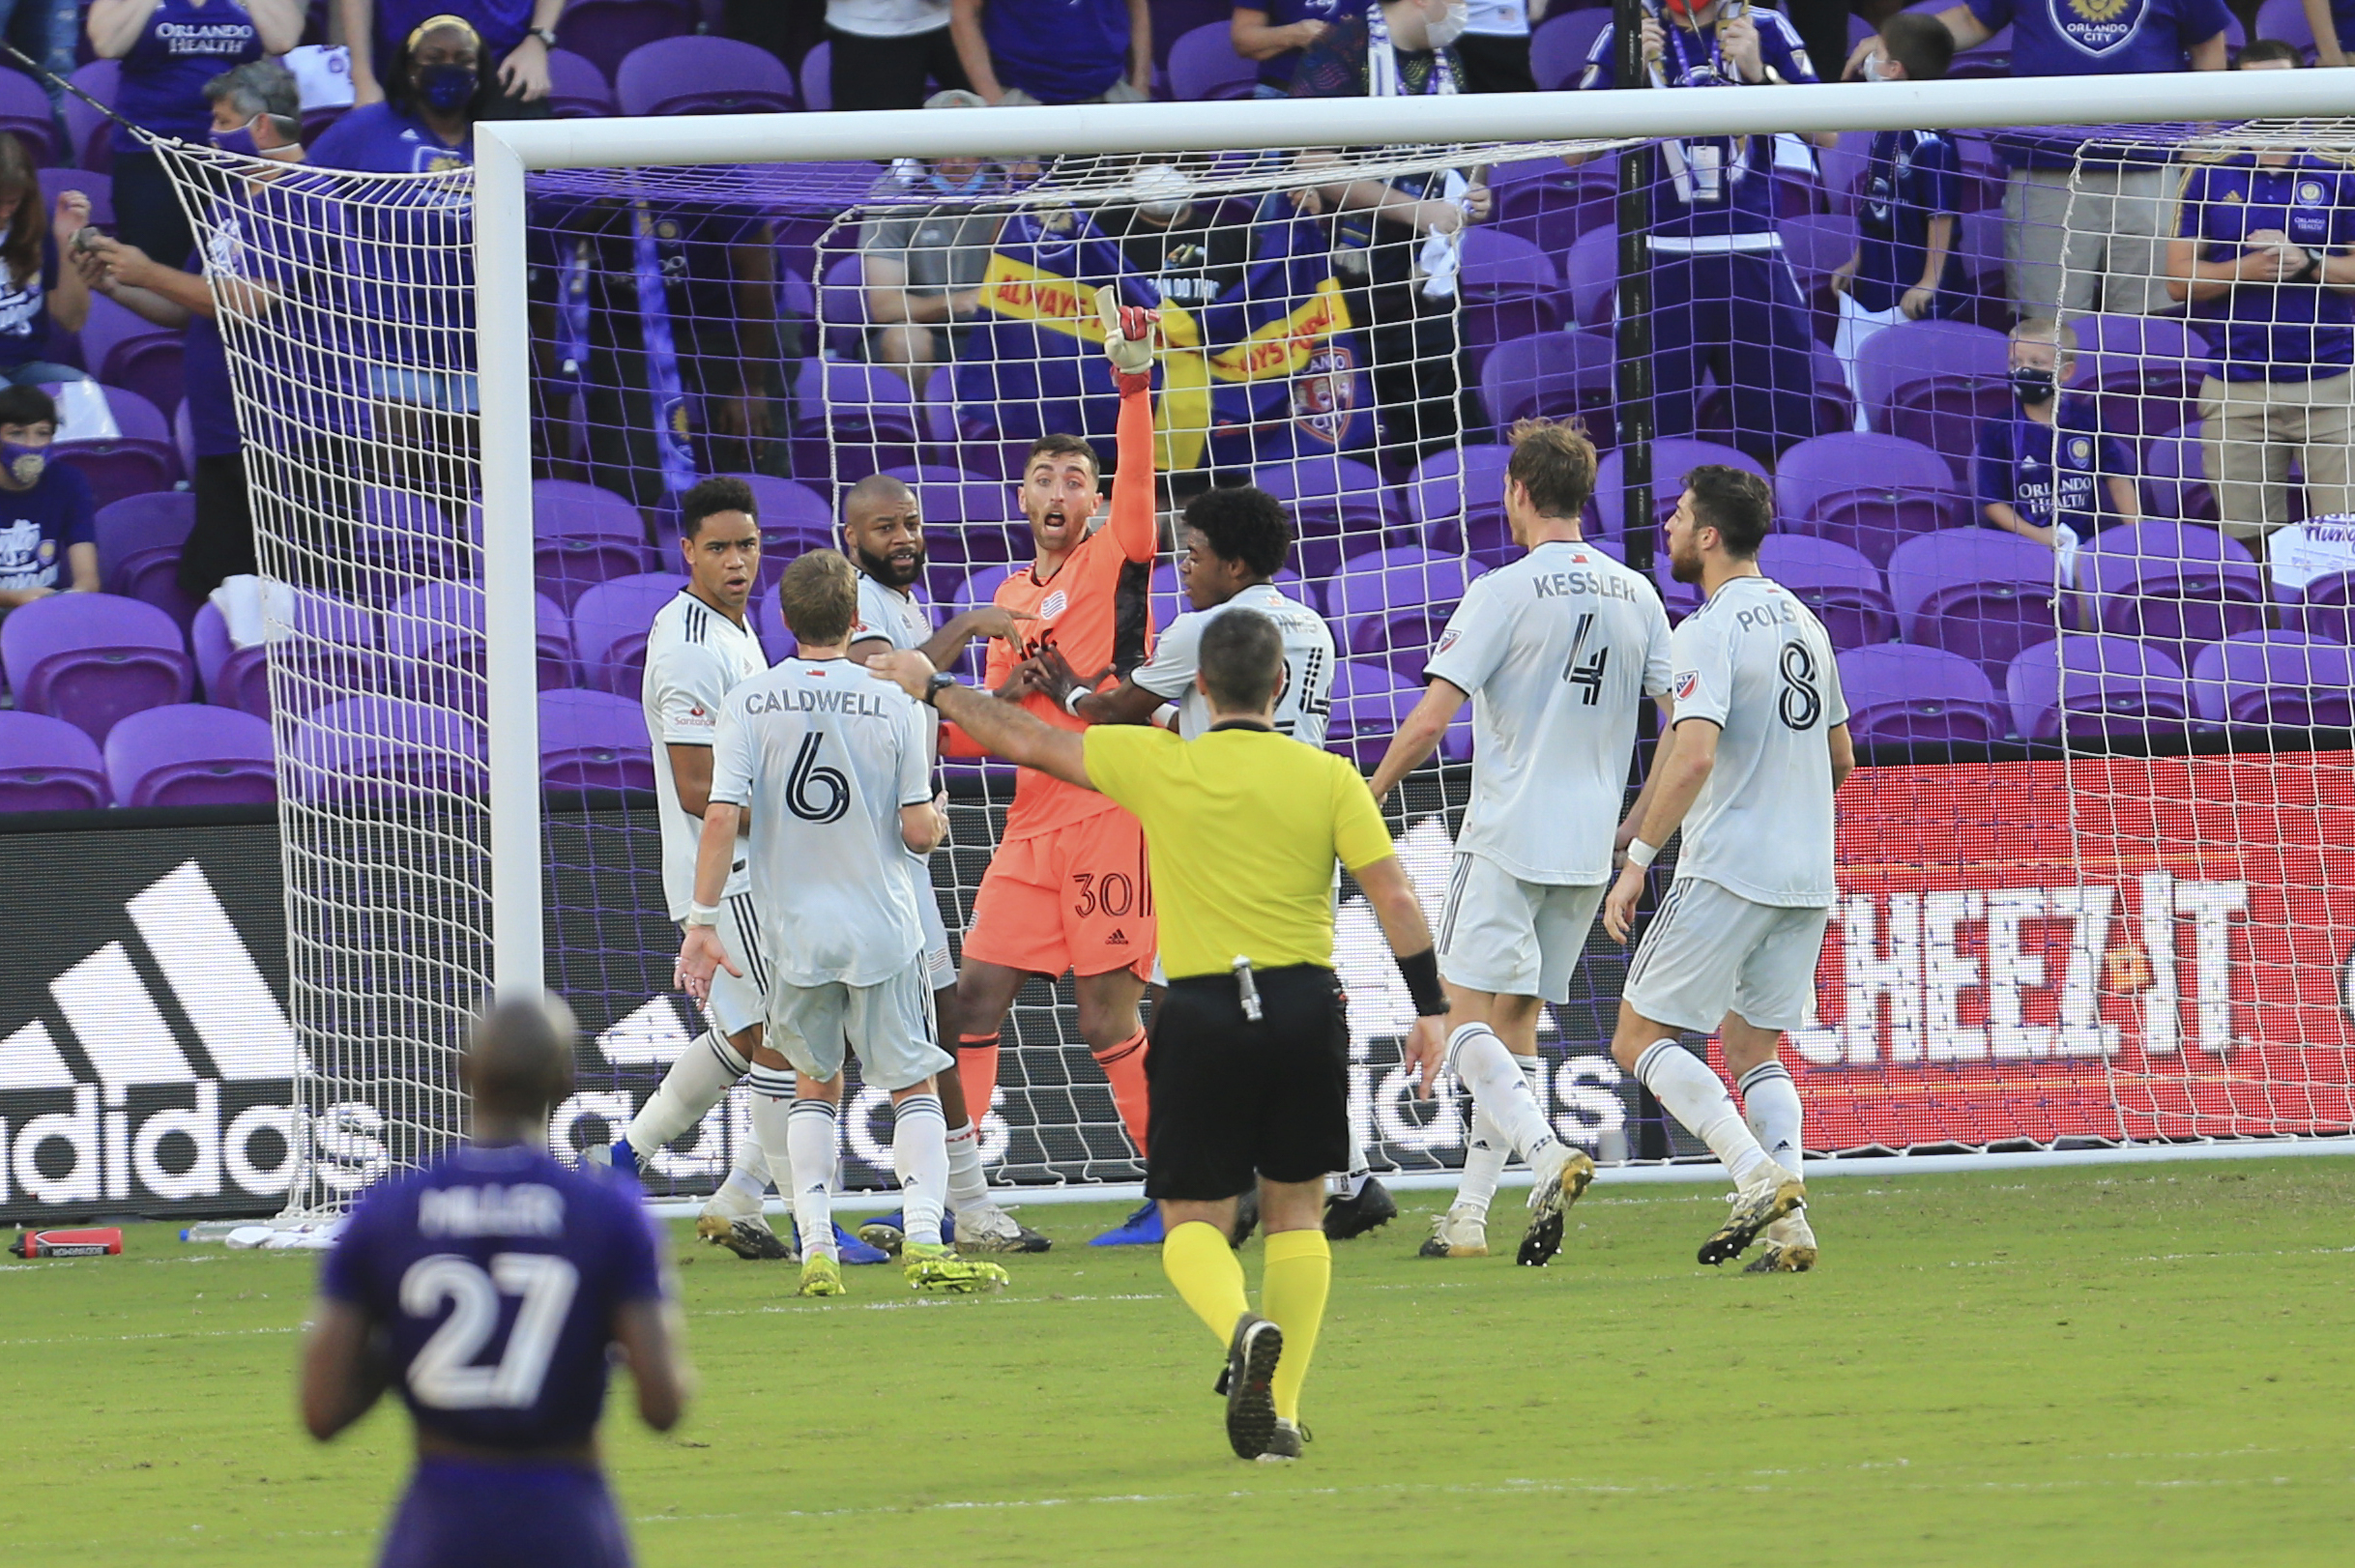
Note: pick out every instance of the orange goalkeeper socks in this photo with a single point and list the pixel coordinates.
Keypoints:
(1124, 1069)
(978, 1072)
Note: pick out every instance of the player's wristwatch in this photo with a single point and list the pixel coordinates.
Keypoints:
(940, 682)
(546, 34)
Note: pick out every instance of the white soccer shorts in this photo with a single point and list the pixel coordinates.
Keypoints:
(1711, 951)
(740, 1000)
(939, 965)
(1512, 938)
(888, 1026)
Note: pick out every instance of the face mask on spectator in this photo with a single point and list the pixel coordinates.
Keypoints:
(24, 464)
(240, 140)
(1161, 191)
(1881, 67)
(970, 186)
(2032, 385)
(1450, 27)
(446, 87)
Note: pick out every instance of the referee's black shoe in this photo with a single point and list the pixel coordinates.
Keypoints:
(1251, 1363)
(1246, 1216)
(1372, 1209)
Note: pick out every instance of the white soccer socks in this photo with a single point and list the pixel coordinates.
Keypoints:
(1696, 1096)
(968, 1187)
(919, 1158)
(1770, 1105)
(1487, 1148)
(1500, 1088)
(701, 1076)
(809, 1149)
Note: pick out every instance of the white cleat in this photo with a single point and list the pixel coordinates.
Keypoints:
(987, 1228)
(1790, 1247)
(1458, 1232)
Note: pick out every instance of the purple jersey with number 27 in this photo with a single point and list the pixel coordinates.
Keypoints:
(495, 1274)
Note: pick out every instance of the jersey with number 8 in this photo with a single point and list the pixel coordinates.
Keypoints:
(1758, 663)
(494, 1275)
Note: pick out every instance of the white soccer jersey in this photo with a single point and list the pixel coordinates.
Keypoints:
(889, 614)
(694, 658)
(825, 755)
(1756, 663)
(1306, 697)
(1558, 650)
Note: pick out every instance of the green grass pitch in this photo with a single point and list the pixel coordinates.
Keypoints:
(2150, 1364)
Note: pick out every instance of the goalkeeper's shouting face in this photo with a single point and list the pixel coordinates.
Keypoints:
(882, 531)
(1059, 493)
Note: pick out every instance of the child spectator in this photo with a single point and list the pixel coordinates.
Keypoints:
(47, 540)
(2272, 54)
(2041, 470)
(1905, 267)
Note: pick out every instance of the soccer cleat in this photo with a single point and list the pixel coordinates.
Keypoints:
(1556, 1191)
(820, 1276)
(748, 1236)
(938, 1269)
(1372, 1209)
(1251, 1363)
(857, 1253)
(1790, 1247)
(1286, 1444)
(1142, 1228)
(888, 1232)
(1459, 1233)
(991, 1228)
(622, 1158)
(1753, 1211)
(1246, 1216)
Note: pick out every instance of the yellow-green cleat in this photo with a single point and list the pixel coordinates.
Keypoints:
(938, 1269)
(820, 1275)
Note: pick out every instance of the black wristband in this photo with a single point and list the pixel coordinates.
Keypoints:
(1421, 973)
(940, 682)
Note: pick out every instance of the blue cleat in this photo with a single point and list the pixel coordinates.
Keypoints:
(890, 1231)
(855, 1251)
(1143, 1228)
(625, 1158)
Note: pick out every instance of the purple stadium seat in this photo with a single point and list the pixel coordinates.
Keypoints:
(1507, 287)
(604, 32)
(609, 626)
(123, 350)
(1551, 375)
(89, 133)
(1845, 166)
(1560, 44)
(90, 658)
(1899, 695)
(1339, 506)
(869, 410)
(25, 114)
(1203, 65)
(48, 765)
(402, 540)
(768, 624)
(1977, 592)
(1673, 458)
(2275, 678)
(2324, 608)
(2095, 684)
(593, 741)
(383, 752)
(98, 187)
(189, 754)
(1816, 244)
(1593, 270)
(1370, 702)
(1453, 500)
(969, 518)
(1393, 605)
(333, 649)
(2144, 371)
(816, 79)
(1935, 382)
(1550, 204)
(2285, 20)
(1680, 599)
(703, 75)
(138, 544)
(2177, 584)
(1838, 584)
(433, 639)
(583, 536)
(2175, 478)
(143, 459)
(1868, 491)
(577, 89)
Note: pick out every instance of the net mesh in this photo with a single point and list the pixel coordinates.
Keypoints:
(2045, 932)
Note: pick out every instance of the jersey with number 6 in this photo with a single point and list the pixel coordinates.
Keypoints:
(1306, 696)
(1756, 663)
(825, 755)
(1558, 650)
(494, 1275)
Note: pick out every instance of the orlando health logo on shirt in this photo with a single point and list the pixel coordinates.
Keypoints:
(2097, 26)
(27, 559)
(204, 37)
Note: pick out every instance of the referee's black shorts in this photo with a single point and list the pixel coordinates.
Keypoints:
(1232, 1099)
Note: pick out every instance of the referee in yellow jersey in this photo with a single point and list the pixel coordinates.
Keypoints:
(1249, 1066)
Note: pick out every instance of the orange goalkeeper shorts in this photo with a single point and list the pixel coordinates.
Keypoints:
(1076, 898)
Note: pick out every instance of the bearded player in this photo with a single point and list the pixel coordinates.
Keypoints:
(1067, 890)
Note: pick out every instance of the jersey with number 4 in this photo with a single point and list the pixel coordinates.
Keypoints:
(1302, 702)
(494, 1275)
(1558, 650)
(694, 658)
(1756, 663)
(825, 755)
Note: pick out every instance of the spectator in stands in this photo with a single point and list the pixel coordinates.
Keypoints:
(884, 51)
(34, 293)
(921, 260)
(48, 540)
(169, 49)
(1190, 255)
(517, 34)
(1055, 51)
(2261, 254)
(2106, 251)
(1275, 32)
(1723, 299)
(2042, 470)
(2272, 54)
(1399, 48)
(435, 90)
(1494, 47)
(1905, 267)
(258, 110)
